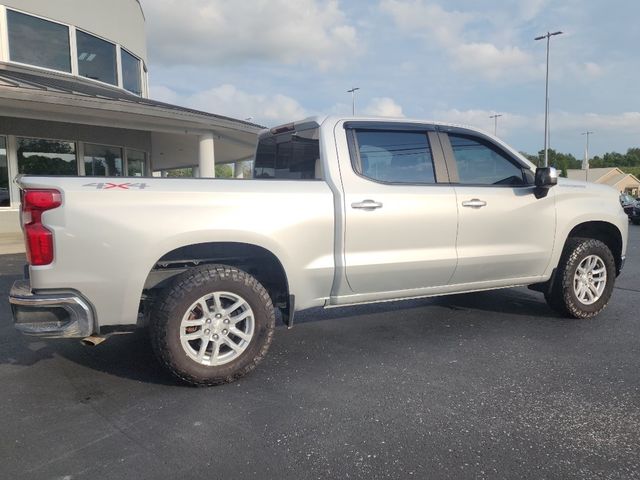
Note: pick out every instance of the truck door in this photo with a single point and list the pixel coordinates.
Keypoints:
(401, 216)
(505, 231)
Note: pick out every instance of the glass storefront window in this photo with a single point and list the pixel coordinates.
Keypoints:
(38, 42)
(102, 161)
(96, 58)
(131, 73)
(5, 200)
(37, 156)
(136, 163)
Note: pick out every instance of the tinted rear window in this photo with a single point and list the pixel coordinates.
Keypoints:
(288, 156)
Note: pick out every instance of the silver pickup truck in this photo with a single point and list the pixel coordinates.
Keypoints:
(340, 211)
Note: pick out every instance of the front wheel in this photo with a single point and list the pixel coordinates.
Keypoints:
(213, 325)
(584, 279)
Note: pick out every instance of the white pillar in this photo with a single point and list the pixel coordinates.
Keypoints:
(238, 169)
(206, 156)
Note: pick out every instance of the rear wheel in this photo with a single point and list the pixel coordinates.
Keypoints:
(213, 325)
(584, 279)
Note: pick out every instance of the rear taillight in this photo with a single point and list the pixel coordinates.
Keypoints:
(38, 238)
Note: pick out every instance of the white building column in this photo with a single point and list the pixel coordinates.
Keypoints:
(238, 170)
(206, 156)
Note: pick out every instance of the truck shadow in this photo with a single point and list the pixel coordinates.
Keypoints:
(130, 356)
(520, 302)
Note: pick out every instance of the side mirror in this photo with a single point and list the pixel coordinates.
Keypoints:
(546, 177)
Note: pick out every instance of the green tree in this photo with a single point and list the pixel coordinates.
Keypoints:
(224, 171)
(180, 172)
(532, 158)
(561, 161)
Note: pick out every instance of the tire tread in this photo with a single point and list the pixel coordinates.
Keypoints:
(560, 298)
(169, 301)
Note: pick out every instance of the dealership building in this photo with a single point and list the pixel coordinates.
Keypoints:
(74, 101)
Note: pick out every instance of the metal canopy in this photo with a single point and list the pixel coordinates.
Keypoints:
(36, 94)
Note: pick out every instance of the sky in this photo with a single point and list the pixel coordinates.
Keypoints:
(460, 61)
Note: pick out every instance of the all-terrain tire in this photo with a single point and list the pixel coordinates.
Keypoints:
(172, 305)
(562, 297)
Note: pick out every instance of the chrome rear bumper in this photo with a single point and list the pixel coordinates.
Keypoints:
(54, 315)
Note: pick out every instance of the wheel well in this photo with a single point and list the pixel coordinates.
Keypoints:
(606, 232)
(257, 261)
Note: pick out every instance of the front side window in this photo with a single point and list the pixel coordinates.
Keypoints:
(102, 161)
(37, 156)
(289, 156)
(481, 163)
(5, 200)
(135, 163)
(395, 156)
(96, 58)
(131, 73)
(38, 42)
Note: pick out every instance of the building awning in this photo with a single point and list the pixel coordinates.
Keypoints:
(36, 94)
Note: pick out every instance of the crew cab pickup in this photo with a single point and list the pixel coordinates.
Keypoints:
(339, 211)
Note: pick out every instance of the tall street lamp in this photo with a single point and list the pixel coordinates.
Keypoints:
(585, 164)
(353, 99)
(495, 123)
(546, 96)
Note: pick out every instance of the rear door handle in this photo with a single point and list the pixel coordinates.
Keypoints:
(366, 205)
(474, 203)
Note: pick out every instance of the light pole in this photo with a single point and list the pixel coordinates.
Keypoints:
(546, 97)
(585, 165)
(495, 123)
(353, 99)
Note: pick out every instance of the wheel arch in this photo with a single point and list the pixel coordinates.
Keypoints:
(256, 260)
(606, 232)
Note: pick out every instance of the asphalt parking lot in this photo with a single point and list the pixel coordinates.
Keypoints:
(486, 385)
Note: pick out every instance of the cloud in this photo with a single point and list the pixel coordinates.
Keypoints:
(383, 107)
(480, 119)
(492, 62)
(531, 8)
(450, 31)
(625, 122)
(427, 20)
(230, 101)
(163, 94)
(376, 107)
(219, 32)
(592, 69)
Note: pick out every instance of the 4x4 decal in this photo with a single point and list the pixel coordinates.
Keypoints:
(117, 186)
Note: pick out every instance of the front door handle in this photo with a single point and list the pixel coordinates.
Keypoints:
(367, 205)
(474, 203)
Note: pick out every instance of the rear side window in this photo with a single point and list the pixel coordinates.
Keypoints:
(288, 156)
(481, 163)
(395, 156)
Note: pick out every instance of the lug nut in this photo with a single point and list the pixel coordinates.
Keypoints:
(218, 315)
(208, 320)
(225, 331)
(207, 331)
(226, 320)
(215, 337)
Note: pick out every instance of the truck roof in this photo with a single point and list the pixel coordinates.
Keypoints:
(318, 120)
